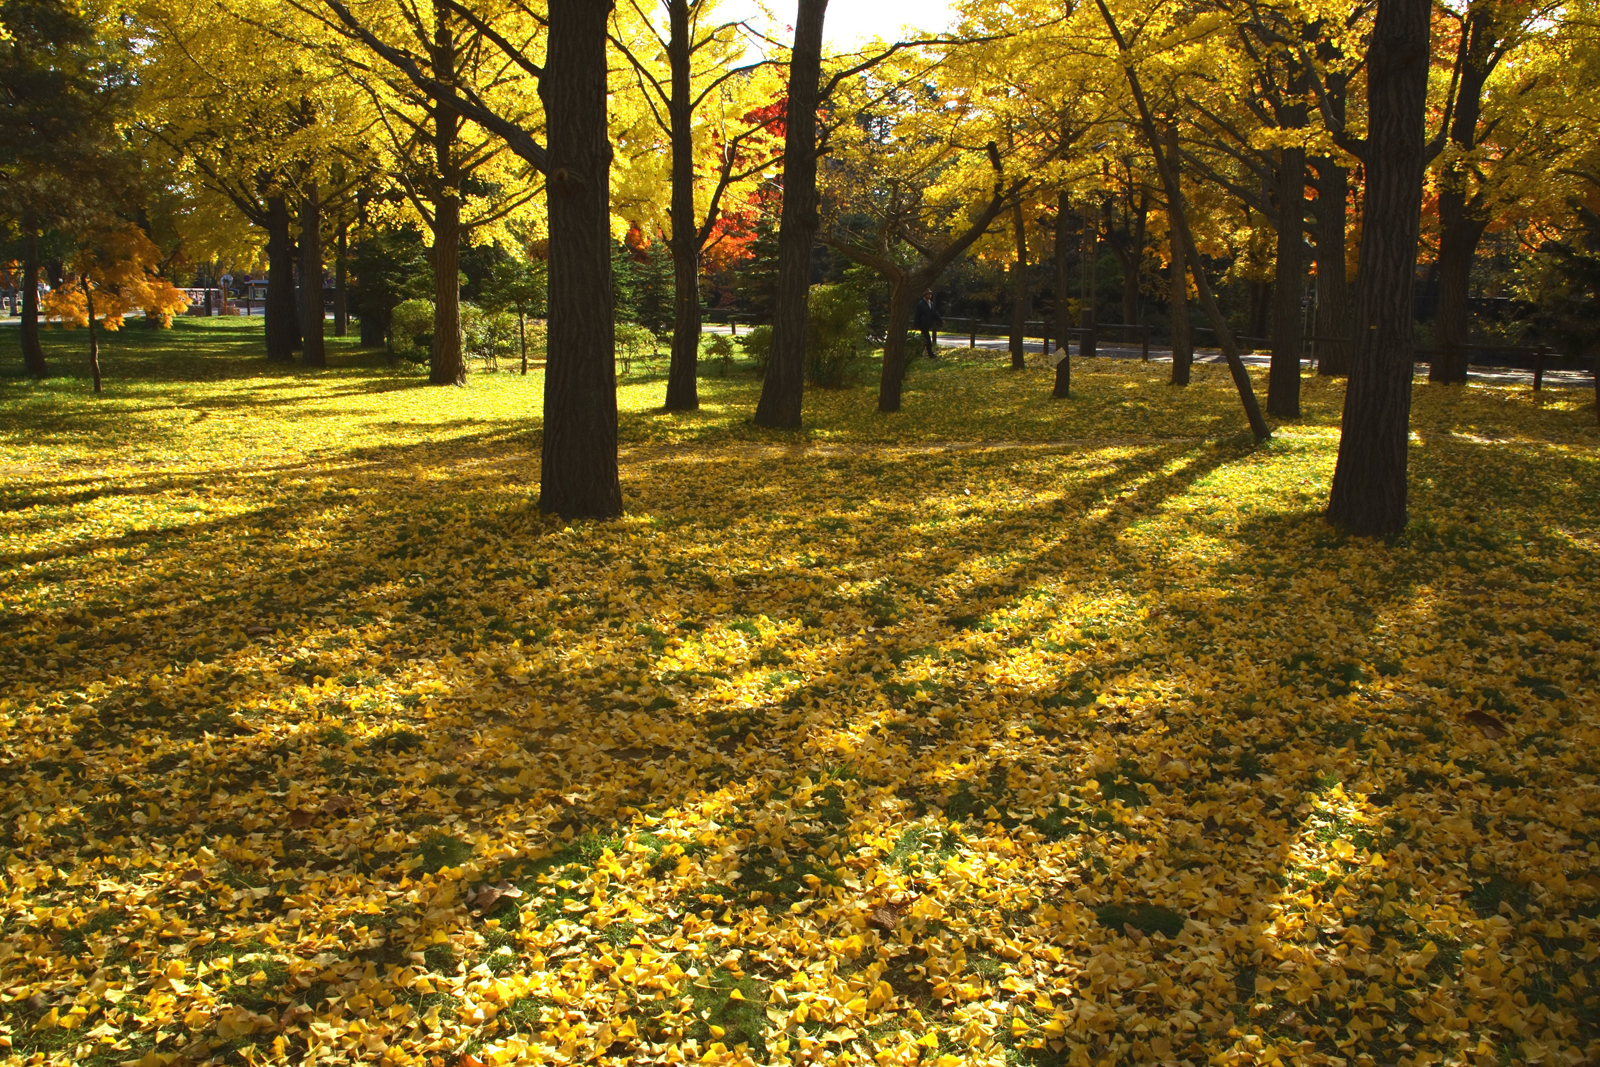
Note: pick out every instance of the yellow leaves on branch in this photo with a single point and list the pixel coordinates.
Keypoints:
(119, 265)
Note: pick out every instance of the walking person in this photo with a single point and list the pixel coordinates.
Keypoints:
(926, 318)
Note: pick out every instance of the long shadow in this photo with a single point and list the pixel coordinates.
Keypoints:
(362, 691)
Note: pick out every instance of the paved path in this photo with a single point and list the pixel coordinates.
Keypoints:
(1578, 379)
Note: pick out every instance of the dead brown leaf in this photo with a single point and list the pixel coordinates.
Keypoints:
(486, 897)
(1492, 727)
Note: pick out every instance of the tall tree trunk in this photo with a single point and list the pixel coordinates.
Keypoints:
(1063, 385)
(579, 469)
(1087, 296)
(1178, 281)
(445, 363)
(1333, 289)
(902, 295)
(1258, 320)
(279, 318)
(313, 352)
(1369, 481)
(32, 350)
(782, 391)
(522, 336)
(1462, 220)
(94, 337)
(683, 387)
(1283, 379)
(1019, 291)
(341, 281)
(1460, 230)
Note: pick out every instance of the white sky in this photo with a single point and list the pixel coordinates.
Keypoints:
(850, 21)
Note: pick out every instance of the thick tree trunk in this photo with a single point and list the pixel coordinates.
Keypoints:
(1283, 379)
(1333, 289)
(341, 282)
(32, 350)
(579, 468)
(902, 295)
(1369, 481)
(1087, 296)
(683, 387)
(279, 318)
(445, 365)
(94, 336)
(782, 391)
(1460, 230)
(1019, 291)
(1063, 384)
(313, 352)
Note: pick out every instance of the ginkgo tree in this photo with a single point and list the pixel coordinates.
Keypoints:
(714, 113)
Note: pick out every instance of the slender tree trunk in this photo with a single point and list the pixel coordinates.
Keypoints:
(313, 351)
(1177, 279)
(1333, 289)
(1132, 259)
(445, 364)
(32, 350)
(782, 391)
(579, 469)
(1462, 220)
(683, 387)
(1063, 385)
(94, 336)
(1019, 291)
(341, 281)
(1369, 481)
(522, 336)
(1283, 379)
(1087, 257)
(281, 322)
(1460, 230)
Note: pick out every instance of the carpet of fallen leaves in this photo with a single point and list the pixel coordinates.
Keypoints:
(1005, 730)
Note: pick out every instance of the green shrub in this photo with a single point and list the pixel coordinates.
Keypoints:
(836, 334)
(719, 355)
(411, 330)
(757, 344)
(635, 342)
(488, 335)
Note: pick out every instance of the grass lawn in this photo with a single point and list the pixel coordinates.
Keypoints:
(1003, 730)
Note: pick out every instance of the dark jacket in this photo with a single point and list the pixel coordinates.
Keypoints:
(925, 316)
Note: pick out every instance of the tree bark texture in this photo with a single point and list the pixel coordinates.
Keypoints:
(1178, 282)
(32, 350)
(579, 469)
(1369, 481)
(1063, 383)
(1333, 289)
(782, 391)
(1283, 378)
(1086, 284)
(1019, 291)
(903, 293)
(94, 336)
(312, 352)
(683, 387)
(279, 319)
(1462, 219)
(341, 282)
(445, 363)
